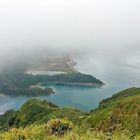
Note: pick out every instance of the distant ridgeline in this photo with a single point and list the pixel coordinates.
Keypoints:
(18, 83)
(116, 118)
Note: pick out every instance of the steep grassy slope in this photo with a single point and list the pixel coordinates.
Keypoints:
(37, 111)
(117, 117)
(118, 113)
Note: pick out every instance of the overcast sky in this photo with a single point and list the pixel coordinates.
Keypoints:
(108, 28)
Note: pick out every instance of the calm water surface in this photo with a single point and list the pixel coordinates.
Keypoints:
(117, 77)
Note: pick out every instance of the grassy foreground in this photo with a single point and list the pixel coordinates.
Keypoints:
(38, 132)
(116, 118)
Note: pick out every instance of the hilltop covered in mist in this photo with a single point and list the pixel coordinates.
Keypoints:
(100, 29)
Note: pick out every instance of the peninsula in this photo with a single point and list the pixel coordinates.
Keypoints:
(60, 70)
(56, 70)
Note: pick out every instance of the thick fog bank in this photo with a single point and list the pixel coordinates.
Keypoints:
(108, 31)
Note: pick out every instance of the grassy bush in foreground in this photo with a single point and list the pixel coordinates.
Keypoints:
(39, 132)
(59, 126)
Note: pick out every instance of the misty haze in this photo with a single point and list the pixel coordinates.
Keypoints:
(73, 54)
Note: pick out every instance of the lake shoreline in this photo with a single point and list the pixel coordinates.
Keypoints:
(73, 84)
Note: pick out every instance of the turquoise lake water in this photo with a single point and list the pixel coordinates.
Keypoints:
(116, 77)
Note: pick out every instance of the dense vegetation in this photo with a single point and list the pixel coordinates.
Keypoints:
(116, 118)
(16, 82)
(27, 91)
(70, 78)
(37, 111)
(118, 113)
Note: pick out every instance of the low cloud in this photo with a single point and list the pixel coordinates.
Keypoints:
(105, 30)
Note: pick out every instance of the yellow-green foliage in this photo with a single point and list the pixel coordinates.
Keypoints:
(32, 132)
(59, 126)
(119, 115)
(38, 132)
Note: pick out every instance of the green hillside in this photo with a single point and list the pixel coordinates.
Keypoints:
(118, 113)
(116, 118)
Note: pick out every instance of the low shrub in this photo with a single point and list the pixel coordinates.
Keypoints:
(59, 126)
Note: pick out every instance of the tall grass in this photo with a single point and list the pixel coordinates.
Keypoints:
(38, 132)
